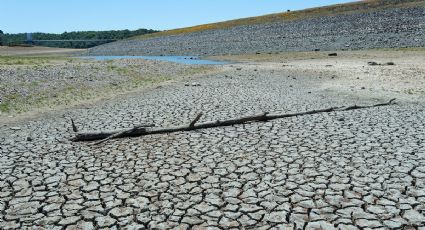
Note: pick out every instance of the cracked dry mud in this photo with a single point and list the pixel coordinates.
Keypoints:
(361, 169)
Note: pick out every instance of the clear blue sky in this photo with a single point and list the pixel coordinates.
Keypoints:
(57, 16)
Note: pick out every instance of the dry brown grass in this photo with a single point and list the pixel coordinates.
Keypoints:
(366, 5)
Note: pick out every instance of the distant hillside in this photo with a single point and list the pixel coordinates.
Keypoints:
(16, 39)
(360, 25)
(354, 7)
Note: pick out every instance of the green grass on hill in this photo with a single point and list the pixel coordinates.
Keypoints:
(10, 60)
(360, 6)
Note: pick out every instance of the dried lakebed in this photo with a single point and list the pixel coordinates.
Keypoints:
(344, 170)
(28, 83)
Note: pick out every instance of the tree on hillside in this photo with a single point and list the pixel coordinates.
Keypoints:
(1, 37)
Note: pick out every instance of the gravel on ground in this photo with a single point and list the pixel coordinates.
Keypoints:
(384, 28)
(34, 83)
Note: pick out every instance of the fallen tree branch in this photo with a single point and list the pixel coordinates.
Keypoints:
(144, 130)
(122, 134)
(365, 107)
(74, 127)
(94, 136)
(192, 124)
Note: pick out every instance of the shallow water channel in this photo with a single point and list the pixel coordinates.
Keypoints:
(189, 60)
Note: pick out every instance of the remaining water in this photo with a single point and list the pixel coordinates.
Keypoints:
(189, 60)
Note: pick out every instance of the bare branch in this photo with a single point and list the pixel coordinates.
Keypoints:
(145, 130)
(192, 124)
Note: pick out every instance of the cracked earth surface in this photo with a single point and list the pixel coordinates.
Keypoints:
(362, 169)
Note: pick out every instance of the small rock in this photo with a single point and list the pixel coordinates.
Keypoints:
(228, 223)
(276, 217)
(85, 225)
(192, 220)
(413, 216)
(392, 224)
(144, 218)
(105, 222)
(121, 212)
(69, 220)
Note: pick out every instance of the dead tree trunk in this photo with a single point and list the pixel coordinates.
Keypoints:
(143, 130)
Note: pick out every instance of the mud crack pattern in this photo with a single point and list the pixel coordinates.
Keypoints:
(361, 169)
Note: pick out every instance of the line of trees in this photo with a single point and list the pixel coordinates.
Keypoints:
(1, 37)
(17, 39)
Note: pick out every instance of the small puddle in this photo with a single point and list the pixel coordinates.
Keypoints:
(188, 60)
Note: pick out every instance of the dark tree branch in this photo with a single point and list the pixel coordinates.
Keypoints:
(143, 130)
(192, 124)
(74, 127)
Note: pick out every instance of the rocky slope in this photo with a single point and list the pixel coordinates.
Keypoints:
(385, 28)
